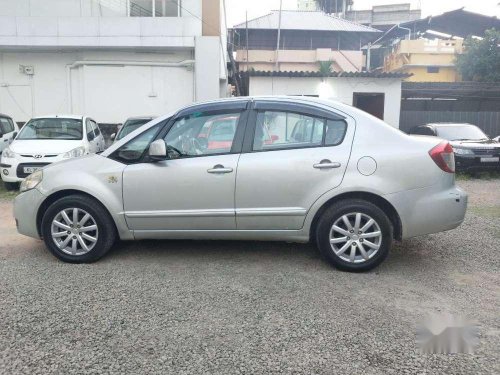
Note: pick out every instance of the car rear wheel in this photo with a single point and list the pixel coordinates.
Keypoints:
(11, 186)
(354, 235)
(78, 229)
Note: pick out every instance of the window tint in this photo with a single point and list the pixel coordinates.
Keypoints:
(203, 134)
(6, 126)
(279, 130)
(335, 132)
(132, 151)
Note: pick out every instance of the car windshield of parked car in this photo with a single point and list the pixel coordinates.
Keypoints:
(52, 128)
(461, 133)
(130, 126)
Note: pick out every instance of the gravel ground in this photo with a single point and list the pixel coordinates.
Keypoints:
(186, 307)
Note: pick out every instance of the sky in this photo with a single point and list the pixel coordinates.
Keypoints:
(236, 9)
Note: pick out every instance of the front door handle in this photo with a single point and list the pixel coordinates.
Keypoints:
(219, 169)
(326, 164)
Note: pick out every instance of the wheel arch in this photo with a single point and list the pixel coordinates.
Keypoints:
(375, 199)
(61, 194)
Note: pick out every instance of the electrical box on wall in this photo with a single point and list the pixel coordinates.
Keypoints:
(27, 69)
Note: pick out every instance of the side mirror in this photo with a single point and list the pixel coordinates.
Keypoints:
(157, 150)
(113, 136)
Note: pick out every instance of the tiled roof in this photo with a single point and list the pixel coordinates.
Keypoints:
(305, 20)
(261, 73)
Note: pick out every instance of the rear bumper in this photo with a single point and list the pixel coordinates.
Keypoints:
(429, 210)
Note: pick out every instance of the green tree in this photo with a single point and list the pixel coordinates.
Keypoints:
(481, 58)
(325, 67)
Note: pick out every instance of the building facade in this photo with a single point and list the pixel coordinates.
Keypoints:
(110, 59)
(306, 39)
(383, 17)
(427, 60)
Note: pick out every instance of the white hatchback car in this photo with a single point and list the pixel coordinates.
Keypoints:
(45, 140)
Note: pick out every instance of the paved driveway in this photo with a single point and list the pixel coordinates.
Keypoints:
(248, 307)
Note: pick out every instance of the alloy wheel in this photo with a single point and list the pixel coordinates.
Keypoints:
(355, 237)
(74, 231)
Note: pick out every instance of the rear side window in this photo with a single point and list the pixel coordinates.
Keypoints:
(286, 130)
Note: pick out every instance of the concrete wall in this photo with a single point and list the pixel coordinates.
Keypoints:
(341, 88)
(106, 92)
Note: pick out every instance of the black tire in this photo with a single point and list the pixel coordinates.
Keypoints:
(11, 186)
(104, 222)
(335, 212)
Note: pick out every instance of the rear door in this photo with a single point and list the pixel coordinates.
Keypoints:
(291, 156)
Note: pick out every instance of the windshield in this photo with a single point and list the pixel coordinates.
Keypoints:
(461, 133)
(130, 126)
(52, 128)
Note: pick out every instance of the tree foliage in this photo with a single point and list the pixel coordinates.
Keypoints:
(481, 58)
(325, 67)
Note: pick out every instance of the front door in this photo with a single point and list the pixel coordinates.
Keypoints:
(194, 189)
(294, 156)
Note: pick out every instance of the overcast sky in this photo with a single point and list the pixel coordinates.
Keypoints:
(236, 8)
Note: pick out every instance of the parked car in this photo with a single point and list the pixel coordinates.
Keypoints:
(473, 149)
(8, 131)
(129, 126)
(48, 139)
(350, 183)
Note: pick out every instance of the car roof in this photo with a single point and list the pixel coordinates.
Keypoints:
(6, 116)
(76, 117)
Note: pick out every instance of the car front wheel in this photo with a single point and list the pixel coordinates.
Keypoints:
(78, 229)
(354, 235)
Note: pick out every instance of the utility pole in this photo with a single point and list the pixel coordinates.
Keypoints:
(278, 41)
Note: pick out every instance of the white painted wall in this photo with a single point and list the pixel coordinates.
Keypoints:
(338, 88)
(108, 93)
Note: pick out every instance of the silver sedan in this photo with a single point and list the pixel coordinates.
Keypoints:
(267, 168)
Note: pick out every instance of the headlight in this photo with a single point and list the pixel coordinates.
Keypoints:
(8, 153)
(462, 151)
(76, 152)
(31, 181)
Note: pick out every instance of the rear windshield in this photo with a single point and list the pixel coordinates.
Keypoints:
(461, 133)
(52, 128)
(130, 126)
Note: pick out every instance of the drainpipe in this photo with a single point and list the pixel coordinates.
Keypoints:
(76, 64)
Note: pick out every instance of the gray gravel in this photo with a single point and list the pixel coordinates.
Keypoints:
(185, 307)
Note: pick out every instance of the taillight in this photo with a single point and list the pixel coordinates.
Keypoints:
(444, 157)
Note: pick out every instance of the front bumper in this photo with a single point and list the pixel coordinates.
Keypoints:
(477, 162)
(12, 169)
(26, 206)
(429, 210)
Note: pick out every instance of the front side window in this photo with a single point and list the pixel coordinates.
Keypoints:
(132, 151)
(282, 130)
(52, 128)
(202, 134)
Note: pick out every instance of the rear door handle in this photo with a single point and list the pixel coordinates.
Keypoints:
(219, 169)
(326, 164)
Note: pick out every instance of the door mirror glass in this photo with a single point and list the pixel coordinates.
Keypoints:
(113, 136)
(158, 150)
